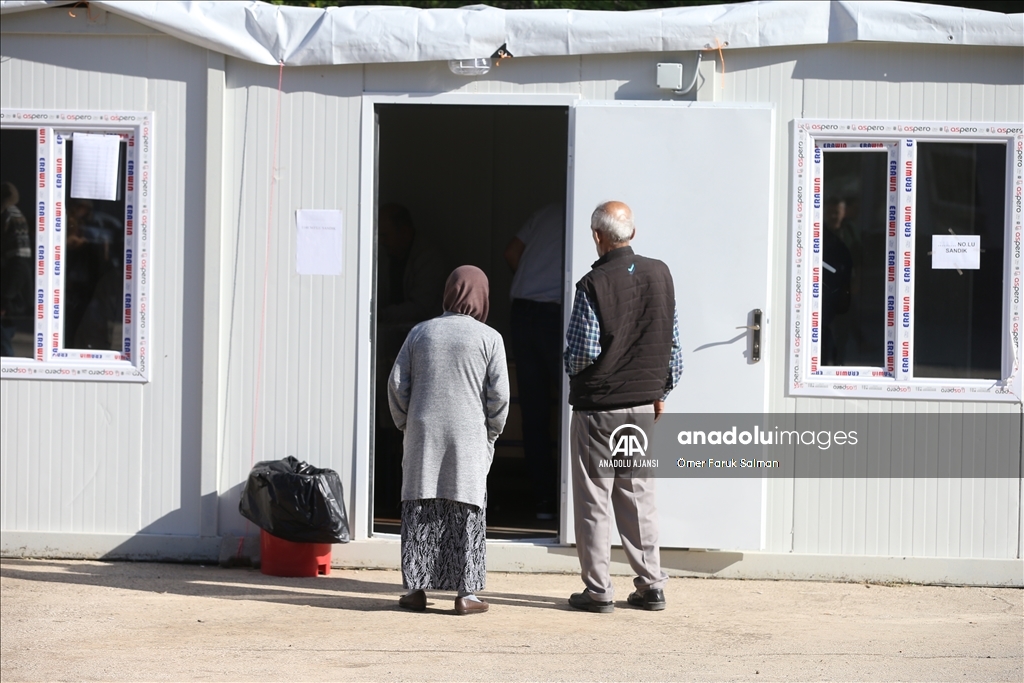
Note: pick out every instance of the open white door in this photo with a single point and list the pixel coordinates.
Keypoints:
(699, 179)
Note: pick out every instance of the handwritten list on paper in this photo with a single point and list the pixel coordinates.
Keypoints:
(94, 166)
(318, 242)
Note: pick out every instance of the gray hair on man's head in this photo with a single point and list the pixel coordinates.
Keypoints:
(614, 220)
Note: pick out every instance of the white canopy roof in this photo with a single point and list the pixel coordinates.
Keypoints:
(298, 36)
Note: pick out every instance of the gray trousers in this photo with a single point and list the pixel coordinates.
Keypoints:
(595, 498)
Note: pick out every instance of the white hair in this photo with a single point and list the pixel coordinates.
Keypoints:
(616, 224)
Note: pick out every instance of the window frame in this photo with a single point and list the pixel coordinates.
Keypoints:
(894, 379)
(51, 359)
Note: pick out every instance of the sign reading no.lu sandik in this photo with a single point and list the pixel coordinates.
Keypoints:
(805, 445)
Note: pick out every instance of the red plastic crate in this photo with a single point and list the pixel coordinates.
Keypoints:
(279, 557)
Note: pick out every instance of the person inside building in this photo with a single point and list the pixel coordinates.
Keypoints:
(836, 281)
(410, 287)
(17, 276)
(536, 258)
(414, 269)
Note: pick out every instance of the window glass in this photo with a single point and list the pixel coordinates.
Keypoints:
(17, 245)
(958, 312)
(94, 266)
(853, 255)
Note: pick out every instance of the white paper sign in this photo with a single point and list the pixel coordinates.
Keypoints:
(94, 166)
(318, 242)
(956, 251)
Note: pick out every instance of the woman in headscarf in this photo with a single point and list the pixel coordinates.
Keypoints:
(449, 394)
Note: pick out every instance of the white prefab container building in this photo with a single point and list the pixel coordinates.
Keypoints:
(183, 320)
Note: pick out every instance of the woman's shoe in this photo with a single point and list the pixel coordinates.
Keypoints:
(465, 606)
(416, 601)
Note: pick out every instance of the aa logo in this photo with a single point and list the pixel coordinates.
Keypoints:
(628, 441)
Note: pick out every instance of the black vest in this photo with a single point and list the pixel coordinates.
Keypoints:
(634, 300)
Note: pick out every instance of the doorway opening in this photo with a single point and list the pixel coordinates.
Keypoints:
(464, 180)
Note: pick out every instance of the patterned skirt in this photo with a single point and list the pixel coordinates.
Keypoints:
(444, 545)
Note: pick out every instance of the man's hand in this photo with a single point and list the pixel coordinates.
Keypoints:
(659, 408)
(514, 252)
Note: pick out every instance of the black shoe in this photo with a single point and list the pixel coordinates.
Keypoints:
(652, 599)
(416, 601)
(584, 601)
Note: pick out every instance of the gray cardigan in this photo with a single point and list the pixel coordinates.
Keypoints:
(449, 393)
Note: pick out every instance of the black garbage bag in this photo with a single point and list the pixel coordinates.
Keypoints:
(295, 501)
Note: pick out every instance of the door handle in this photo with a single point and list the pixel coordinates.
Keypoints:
(755, 348)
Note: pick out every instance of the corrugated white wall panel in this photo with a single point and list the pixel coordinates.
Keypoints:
(118, 458)
(306, 388)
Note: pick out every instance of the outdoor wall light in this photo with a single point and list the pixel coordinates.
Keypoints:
(480, 65)
(470, 67)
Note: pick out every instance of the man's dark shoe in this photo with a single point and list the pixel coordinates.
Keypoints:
(416, 601)
(586, 602)
(652, 599)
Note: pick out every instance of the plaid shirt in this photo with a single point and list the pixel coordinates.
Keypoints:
(583, 342)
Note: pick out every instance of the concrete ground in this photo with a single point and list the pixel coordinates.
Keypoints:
(81, 620)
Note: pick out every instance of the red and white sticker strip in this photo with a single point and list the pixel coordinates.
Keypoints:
(905, 239)
(815, 260)
(891, 257)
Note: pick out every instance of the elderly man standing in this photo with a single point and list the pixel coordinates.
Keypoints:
(623, 358)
